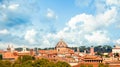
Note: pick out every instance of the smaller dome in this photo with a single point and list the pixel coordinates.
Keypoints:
(61, 44)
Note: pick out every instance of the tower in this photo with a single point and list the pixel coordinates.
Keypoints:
(92, 50)
(24, 49)
(12, 48)
(8, 48)
(78, 49)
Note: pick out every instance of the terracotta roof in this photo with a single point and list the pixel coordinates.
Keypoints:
(48, 51)
(66, 51)
(1, 51)
(8, 55)
(91, 57)
(23, 53)
(70, 51)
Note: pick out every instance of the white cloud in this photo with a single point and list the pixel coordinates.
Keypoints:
(4, 31)
(3, 6)
(81, 26)
(13, 6)
(113, 2)
(3, 17)
(117, 41)
(90, 22)
(82, 3)
(29, 36)
(77, 30)
(51, 14)
(98, 37)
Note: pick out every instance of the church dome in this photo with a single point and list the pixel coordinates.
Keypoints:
(61, 44)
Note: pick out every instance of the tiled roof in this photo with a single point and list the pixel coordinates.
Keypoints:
(48, 51)
(9, 55)
(91, 57)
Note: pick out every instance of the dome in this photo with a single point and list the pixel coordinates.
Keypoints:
(61, 44)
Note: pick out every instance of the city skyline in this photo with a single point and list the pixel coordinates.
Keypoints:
(42, 23)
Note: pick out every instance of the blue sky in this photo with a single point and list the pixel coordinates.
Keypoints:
(42, 23)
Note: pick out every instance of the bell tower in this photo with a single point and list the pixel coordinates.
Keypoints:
(92, 50)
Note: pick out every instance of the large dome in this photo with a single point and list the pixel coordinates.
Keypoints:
(61, 44)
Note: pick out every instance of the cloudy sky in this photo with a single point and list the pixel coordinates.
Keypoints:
(42, 23)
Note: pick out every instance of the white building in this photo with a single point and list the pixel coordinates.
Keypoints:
(116, 49)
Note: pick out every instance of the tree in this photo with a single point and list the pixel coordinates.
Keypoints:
(107, 48)
(101, 65)
(2, 64)
(41, 63)
(27, 64)
(25, 58)
(90, 65)
(16, 65)
(82, 65)
(0, 56)
(100, 54)
(5, 64)
(82, 48)
(106, 65)
(62, 64)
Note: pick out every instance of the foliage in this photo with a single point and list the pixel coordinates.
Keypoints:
(100, 54)
(90, 65)
(62, 64)
(83, 65)
(0, 56)
(27, 64)
(27, 61)
(5, 64)
(41, 63)
(102, 49)
(103, 65)
(25, 58)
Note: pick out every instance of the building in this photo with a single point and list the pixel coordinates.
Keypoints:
(10, 56)
(92, 58)
(92, 51)
(60, 53)
(116, 49)
(62, 49)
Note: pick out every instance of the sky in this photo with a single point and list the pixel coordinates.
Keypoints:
(42, 23)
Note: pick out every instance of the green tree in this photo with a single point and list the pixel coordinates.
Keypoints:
(101, 65)
(0, 56)
(82, 65)
(16, 65)
(106, 65)
(90, 65)
(27, 64)
(82, 48)
(5, 64)
(25, 58)
(41, 63)
(2, 64)
(62, 64)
